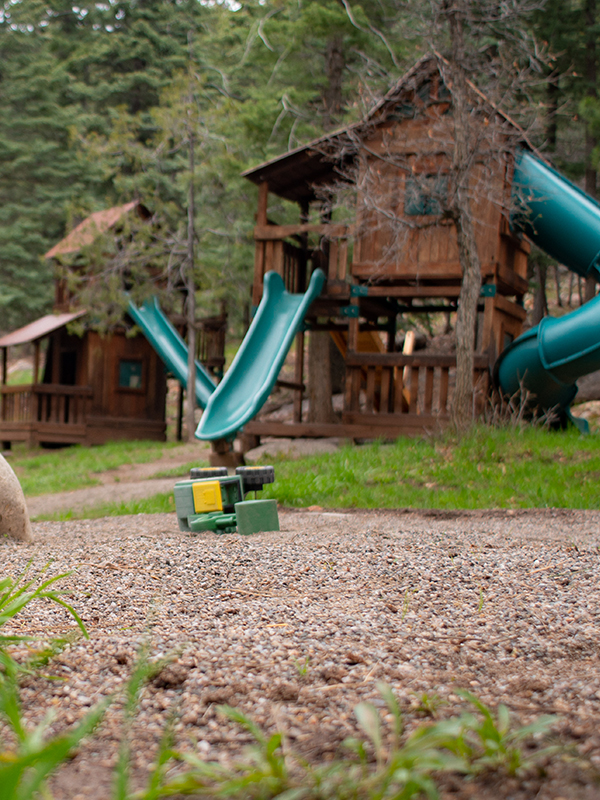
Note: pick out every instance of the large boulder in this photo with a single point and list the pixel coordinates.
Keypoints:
(14, 519)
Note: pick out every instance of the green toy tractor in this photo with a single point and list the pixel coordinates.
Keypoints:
(214, 501)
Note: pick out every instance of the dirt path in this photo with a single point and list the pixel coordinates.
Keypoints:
(128, 482)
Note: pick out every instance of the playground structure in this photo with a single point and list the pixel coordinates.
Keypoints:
(548, 359)
(360, 300)
(370, 283)
(398, 257)
(84, 389)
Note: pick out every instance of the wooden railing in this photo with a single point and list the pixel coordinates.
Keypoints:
(287, 249)
(44, 403)
(379, 386)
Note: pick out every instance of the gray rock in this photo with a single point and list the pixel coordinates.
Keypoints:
(588, 388)
(14, 519)
(292, 448)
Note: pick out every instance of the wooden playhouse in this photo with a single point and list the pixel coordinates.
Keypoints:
(85, 389)
(397, 256)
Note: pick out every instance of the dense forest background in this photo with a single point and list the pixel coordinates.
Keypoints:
(100, 101)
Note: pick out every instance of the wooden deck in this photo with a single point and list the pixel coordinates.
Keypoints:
(36, 413)
(55, 414)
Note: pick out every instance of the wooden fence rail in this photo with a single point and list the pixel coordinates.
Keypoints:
(382, 386)
(285, 249)
(45, 403)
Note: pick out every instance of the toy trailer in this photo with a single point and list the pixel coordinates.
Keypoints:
(399, 256)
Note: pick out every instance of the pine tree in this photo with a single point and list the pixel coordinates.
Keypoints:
(39, 170)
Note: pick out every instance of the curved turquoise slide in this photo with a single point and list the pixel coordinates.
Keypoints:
(565, 222)
(254, 370)
(170, 347)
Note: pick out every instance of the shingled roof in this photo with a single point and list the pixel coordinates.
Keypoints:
(93, 226)
(295, 174)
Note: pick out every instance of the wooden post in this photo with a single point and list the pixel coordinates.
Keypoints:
(179, 428)
(260, 247)
(5, 444)
(301, 278)
(55, 344)
(191, 284)
(299, 376)
(36, 361)
(263, 201)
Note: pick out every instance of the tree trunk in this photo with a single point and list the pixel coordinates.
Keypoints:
(552, 90)
(540, 305)
(190, 417)
(557, 279)
(334, 66)
(466, 317)
(319, 378)
(590, 139)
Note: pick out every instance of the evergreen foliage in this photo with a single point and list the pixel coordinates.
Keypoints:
(100, 100)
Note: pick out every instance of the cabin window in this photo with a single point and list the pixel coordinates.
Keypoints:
(130, 374)
(425, 195)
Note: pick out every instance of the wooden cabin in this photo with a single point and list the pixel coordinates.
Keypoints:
(85, 389)
(396, 255)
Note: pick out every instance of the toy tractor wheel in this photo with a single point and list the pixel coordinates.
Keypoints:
(198, 473)
(254, 478)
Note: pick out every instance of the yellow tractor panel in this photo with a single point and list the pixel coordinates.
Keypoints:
(207, 497)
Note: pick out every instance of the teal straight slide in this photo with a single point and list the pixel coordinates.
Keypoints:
(252, 375)
(170, 347)
(565, 222)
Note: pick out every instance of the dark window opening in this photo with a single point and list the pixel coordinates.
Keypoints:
(130, 374)
(426, 195)
(68, 368)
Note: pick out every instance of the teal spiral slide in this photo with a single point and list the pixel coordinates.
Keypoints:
(564, 221)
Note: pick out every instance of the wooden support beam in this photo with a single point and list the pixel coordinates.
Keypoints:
(390, 426)
(263, 202)
(36, 361)
(400, 360)
(299, 377)
(510, 308)
(264, 232)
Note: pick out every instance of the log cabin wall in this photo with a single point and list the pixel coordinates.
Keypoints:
(90, 390)
(128, 389)
(402, 240)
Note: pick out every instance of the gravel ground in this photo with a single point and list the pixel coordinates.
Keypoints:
(295, 628)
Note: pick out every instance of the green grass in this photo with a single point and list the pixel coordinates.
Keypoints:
(20, 377)
(51, 471)
(488, 468)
